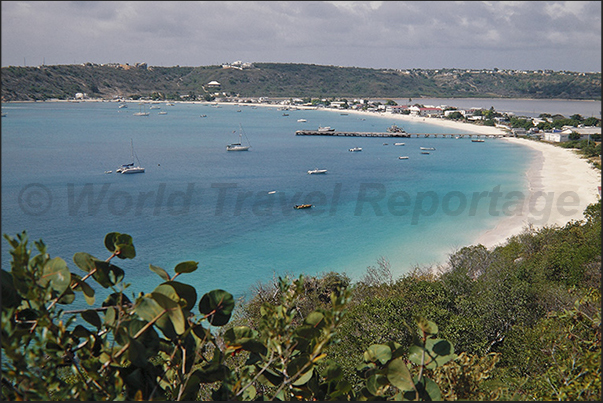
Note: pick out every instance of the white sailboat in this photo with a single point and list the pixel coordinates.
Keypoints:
(130, 168)
(239, 146)
(140, 112)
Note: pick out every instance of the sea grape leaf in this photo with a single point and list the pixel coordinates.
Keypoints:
(92, 317)
(106, 274)
(120, 245)
(437, 353)
(179, 292)
(218, 305)
(162, 273)
(84, 261)
(85, 288)
(186, 267)
(378, 352)
(399, 375)
(427, 326)
(57, 274)
(150, 310)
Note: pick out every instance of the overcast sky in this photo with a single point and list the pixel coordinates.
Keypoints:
(556, 35)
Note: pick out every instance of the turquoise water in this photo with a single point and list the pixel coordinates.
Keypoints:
(196, 201)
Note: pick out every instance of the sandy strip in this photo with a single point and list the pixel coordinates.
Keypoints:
(561, 184)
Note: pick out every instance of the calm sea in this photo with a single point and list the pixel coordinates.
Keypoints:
(233, 211)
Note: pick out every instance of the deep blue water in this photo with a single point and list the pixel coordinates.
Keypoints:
(196, 201)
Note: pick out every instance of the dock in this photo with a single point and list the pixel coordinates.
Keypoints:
(392, 134)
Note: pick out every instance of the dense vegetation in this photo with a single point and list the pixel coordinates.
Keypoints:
(520, 321)
(289, 80)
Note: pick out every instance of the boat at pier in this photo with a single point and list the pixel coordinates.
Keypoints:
(325, 129)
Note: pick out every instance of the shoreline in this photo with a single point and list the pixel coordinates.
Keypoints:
(560, 183)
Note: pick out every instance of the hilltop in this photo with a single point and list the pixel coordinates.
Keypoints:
(109, 81)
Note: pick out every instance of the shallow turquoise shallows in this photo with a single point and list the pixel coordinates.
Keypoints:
(233, 212)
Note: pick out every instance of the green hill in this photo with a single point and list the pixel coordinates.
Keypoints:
(289, 80)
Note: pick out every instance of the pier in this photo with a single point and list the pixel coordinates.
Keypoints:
(392, 134)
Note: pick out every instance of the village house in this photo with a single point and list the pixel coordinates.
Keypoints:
(425, 111)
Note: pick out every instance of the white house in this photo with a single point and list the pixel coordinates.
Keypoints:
(556, 137)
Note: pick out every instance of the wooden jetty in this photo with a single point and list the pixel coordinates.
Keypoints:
(391, 134)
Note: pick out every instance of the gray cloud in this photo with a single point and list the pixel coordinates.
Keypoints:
(391, 34)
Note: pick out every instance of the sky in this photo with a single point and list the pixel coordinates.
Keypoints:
(517, 35)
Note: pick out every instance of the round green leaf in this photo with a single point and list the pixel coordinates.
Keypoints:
(57, 274)
(84, 261)
(378, 352)
(218, 305)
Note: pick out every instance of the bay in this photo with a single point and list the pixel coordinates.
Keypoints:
(233, 211)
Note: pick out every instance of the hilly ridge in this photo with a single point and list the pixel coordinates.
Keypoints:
(289, 80)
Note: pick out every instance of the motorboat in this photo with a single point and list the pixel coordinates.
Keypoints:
(355, 149)
(325, 129)
(317, 171)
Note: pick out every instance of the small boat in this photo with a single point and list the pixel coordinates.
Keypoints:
(203, 116)
(317, 171)
(398, 144)
(355, 149)
(384, 144)
(239, 146)
(325, 129)
(302, 206)
(122, 106)
(162, 113)
(301, 120)
(285, 114)
(424, 152)
(395, 129)
(108, 172)
(272, 192)
(404, 158)
(478, 140)
(155, 107)
(427, 148)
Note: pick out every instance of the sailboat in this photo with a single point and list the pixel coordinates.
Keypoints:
(140, 112)
(130, 168)
(239, 146)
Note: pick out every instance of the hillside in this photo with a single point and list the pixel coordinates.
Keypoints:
(289, 80)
